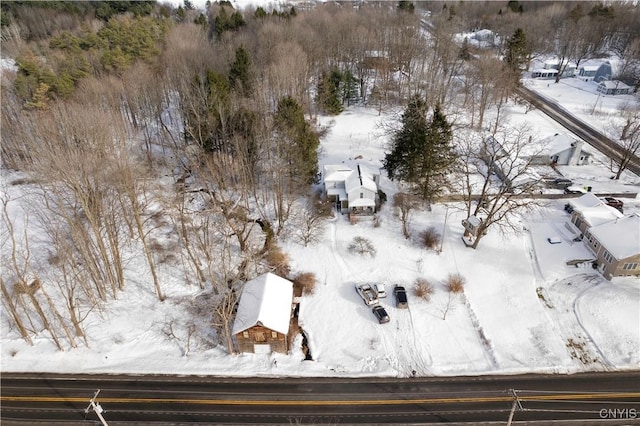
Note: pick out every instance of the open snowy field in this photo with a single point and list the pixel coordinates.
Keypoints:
(523, 309)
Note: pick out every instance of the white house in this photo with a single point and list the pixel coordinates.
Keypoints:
(562, 149)
(613, 87)
(353, 191)
(264, 312)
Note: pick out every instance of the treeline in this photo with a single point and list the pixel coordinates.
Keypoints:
(103, 110)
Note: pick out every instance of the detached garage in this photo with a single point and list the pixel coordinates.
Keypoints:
(264, 313)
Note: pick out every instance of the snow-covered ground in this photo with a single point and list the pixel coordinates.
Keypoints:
(523, 309)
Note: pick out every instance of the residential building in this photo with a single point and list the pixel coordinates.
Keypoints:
(264, 313)
(589, 211)
(354, 191)
(616, 245)
(561, 149)
(613, 87)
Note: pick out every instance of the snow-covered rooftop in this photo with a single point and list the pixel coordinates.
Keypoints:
(557, 143)
(265, 300)
(586, 201)
(336, 172)
(620, 237)
(614, 84)
(358, 179)
(598, 215)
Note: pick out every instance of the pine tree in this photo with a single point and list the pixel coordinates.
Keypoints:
(348, 87)
(421, 153)
(517, 55)
(302, 156)
(438, 157)
(328, 94)
(406, 6)
(239, 74)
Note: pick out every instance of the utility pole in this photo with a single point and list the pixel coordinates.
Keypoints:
(93, 405)
(516, 404)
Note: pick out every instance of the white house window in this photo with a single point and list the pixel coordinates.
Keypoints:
(608, 257)
(245, 334)
(629, 266)
(362, 195)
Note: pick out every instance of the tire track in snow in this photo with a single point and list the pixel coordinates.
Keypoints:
(336, 254)
(489, 351)
(540, 281)
(403, 354)
(589, 338)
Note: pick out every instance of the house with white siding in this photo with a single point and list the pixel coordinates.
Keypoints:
(355, 192)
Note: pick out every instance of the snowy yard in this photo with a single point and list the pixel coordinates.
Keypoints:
(523, 309)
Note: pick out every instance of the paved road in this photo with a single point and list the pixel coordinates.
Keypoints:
(587, 133)
(51, 399)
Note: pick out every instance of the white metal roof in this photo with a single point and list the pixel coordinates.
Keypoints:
(266, 300)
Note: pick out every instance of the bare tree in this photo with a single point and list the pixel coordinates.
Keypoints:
(627, 133)
(448, 305)
(405, 204)
(309, 225)
(497, 178)
(223, 315)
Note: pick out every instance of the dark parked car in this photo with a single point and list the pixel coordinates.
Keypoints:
(614, 202)
(562, 182)
(401, 297)
(574, 190)
(381, 314)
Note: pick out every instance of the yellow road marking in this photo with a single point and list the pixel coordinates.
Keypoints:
(545, 397)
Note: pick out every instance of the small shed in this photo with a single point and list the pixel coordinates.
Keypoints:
(264, 314)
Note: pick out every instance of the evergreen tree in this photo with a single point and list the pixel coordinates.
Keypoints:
(515, 6)
(406, 6)
(464, 50)
(260, 13)
(517, 55)
(421, 153)
(240, 72)
(302, 141)
(328, 95)
(348, 87)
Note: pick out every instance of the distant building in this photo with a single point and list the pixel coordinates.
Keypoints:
(561, 149)
(587, 72)
(613, 87)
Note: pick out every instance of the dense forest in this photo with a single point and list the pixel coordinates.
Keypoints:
(187, 137)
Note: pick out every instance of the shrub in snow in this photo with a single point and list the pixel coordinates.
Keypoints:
(455, 283)
(362, 246)
(278, 261)
(423, 289)
(377, 221)
(430, 238)
(304, 283)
